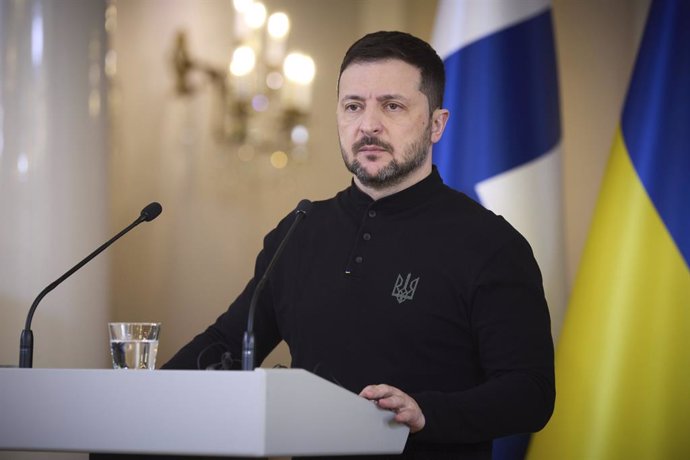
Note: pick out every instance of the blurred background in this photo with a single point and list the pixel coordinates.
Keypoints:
(107, 106)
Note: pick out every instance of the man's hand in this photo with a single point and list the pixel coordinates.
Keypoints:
(406, 409)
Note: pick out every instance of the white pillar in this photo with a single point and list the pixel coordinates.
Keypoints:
(53, 180)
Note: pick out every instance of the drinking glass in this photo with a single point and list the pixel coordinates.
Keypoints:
(134, 345)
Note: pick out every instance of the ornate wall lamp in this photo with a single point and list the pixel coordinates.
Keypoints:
(264, 94)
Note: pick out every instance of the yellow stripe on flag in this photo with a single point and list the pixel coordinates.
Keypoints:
(623, 359)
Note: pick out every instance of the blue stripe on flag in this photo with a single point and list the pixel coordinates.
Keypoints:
(656, 117)
(502, 92)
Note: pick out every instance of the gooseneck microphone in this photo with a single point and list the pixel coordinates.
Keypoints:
(248, 341)
(26, 341)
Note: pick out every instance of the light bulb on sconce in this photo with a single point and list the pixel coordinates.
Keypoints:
(278, 26)
(265, 92)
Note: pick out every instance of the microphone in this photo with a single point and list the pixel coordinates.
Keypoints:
(248, 341)
(26, 342)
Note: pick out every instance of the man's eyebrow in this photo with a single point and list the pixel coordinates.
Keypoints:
(351, 97)
(382, 98)
(389, 97)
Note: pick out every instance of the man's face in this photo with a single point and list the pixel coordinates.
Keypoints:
(384, 125)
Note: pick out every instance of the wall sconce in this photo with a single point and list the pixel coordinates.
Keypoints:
(263, 94)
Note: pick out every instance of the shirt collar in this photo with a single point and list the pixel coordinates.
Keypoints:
(402, 200)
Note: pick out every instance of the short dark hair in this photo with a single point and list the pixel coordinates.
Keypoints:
(384, 45)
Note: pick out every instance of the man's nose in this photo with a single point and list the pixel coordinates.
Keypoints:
(371, 123)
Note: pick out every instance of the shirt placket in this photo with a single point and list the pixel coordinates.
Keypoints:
(363, 243)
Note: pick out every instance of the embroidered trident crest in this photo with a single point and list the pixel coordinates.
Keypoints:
(404, 288)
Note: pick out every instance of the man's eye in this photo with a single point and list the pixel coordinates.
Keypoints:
(351, 107)
(393, 106)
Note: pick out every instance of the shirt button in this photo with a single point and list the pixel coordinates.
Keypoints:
(359, 259)
(366, 236)
(372, 213)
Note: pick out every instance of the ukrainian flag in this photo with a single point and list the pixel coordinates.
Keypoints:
(623, 359)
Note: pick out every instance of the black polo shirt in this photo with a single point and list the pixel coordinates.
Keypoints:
(424, 290)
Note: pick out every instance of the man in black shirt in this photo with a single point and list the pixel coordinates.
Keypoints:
(400, 288)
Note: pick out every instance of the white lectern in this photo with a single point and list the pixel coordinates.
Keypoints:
(265, 412)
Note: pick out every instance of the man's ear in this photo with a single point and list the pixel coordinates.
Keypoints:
(438, 124)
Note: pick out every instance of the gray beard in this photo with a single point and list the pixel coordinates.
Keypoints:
(395, 171)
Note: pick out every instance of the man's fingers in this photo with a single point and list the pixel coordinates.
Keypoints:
(392, 402)
(406, 409)
(377, 391)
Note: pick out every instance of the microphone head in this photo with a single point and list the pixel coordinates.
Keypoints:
(151, 211)
(303, 207)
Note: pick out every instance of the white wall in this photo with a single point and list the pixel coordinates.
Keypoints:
(199, 254)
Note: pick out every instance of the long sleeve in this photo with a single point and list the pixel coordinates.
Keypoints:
(515, 351)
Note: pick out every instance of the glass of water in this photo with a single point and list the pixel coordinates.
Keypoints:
(134, 345)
